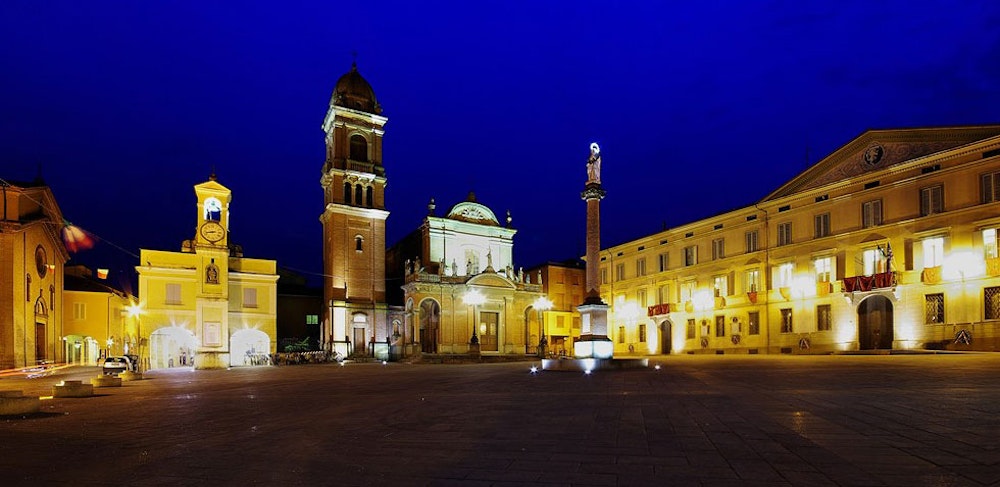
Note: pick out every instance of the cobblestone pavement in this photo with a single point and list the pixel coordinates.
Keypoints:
(698, 420)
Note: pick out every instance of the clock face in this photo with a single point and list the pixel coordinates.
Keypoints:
(212, 231)
(41, 261)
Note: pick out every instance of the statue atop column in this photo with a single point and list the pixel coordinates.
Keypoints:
(594, 164)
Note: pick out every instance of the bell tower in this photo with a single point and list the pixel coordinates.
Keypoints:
(354, 216)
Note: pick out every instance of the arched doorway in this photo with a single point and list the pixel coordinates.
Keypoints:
(875, 323)
(666, 335)
(249, 347)
(171, 347)
(430, 320)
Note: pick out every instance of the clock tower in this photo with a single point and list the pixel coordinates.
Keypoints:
(354, 217)
(211, 245)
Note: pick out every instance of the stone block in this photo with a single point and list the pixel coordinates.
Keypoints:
(106, 381)
(15, 402)
(130, 376)
(72, 388)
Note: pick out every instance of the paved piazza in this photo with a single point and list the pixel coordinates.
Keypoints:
(716, 420)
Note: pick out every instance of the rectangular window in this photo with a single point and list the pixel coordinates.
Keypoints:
(249, 297)
(933, 251)
(690, 329)
(990, 243)
(989, 187)
(621, 334)
(664, 262)
(687, 290)
(640, 296)
(823, 317)
(824, 267)
(785, 274)
(619, 272)
(718, 248)
(642, 333)
(874, 261)
(822, 225)
(751, 238)
(312, 319)
(751, 280)
(691, 255)
(786, 320)
(79, 311)
(931, 200)
(720, 326)
(604, 275)
(173, 294)
(753, 323)
(992, 303)
(663, 294)
(720, 284)
(871, 213)
(640, 267)
(784, 233)
(934, 309)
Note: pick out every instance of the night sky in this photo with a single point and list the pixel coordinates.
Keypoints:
(699, 107)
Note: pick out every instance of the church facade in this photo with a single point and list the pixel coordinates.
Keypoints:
(206, 306)
(32, 257)
(461, 291)
(888, 243)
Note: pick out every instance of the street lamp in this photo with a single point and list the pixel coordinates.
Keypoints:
(473, 298)
(542, 304)
(135, 311)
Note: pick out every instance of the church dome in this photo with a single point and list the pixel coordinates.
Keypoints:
(352, 91)
(473, 212)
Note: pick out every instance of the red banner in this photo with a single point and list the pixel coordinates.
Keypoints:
(658, 309)
(867, 283)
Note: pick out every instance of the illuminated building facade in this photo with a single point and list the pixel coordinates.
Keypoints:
(888, 243)
(32, 256)
(95, 317)
(462, 293)
(563, 284)
(206, 306)
(353, 218)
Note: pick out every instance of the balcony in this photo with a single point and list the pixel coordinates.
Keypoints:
(658, 309)
(881, 280)
(931, 275)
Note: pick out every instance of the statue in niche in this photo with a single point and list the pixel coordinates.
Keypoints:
(594, 164)
(212, 273)
(489, 259)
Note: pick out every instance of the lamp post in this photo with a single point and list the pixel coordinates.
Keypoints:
(542, 304)
(473, 298)
(135, 311)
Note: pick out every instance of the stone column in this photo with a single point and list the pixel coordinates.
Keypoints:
(594, 342)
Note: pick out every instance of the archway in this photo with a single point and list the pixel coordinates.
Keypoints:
(171, 347)
(430, 320)
(875, 328)
(249, 347)
(666, 336)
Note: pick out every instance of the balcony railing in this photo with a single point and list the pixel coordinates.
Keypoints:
(881, 280)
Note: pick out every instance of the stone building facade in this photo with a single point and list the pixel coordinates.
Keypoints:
(888, 243)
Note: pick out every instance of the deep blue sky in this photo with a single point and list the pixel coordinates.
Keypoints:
(699, 107)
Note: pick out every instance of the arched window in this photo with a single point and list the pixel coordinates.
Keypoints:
(213, 209)
(347, 193)
(369, 197)
(359, 243)
(359, 195)
(359, 148)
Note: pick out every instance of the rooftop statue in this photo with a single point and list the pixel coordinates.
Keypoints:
(594, 164)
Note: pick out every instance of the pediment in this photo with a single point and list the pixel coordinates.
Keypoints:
(491, 280)
(876, 150)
